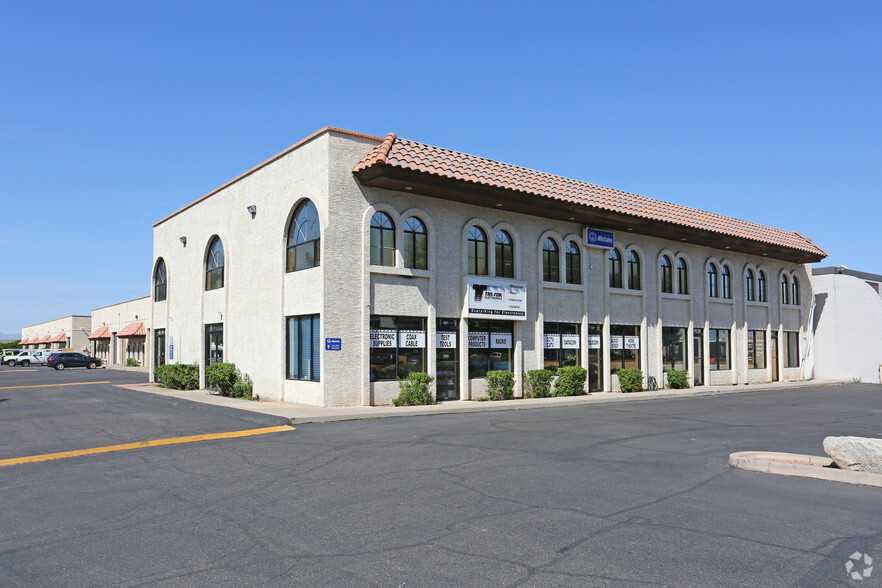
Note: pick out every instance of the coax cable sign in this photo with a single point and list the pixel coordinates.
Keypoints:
(598, 238)
(497, 299)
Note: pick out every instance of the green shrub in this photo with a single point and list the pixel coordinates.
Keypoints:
(500, 385)
(228, 380)
(570, 381)
(537, 384)
(177, 376)
(678, 379)
(132, 362)
(630, 380)
(416, 390)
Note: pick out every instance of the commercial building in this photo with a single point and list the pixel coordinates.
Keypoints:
(847, 324)
(69, 332)
(119, 332)
(347, 261)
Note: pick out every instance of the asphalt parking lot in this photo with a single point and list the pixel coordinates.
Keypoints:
(627, 494)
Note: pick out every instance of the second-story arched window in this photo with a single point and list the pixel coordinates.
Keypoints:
(382, 240)
(160, 282)
(304, 238)
(633, 271)
(726, 282)
(416, 244)
(550, 261)
(504, 255)
(761, 292)
(712, 291)
(615, 268)
(795, 293)
(682, 277)
(574, 263)
(214, 265)
(667, 275)
(748, 286)
(785, 290)
(477, 246)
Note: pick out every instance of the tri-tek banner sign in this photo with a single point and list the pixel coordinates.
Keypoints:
(497, 299)
(598, 238)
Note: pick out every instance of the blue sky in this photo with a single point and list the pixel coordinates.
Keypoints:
(114, 114)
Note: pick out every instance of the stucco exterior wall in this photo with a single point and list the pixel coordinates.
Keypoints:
(848, 323)
(116, 317)
(345, 289)
(75, 327)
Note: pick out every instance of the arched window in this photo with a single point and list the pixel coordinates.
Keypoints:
(615, 269)
(416, 244)
(712, 281)
(382, 240)
(477, 245)
(633, 271)
(214, 265)
(504, 255)
(550, 261)
(748, 285)
(667, 275)
(726, 282)
(304, 238)
(682, 277)
(160, 282)
(574, 263)
(785, 290)
(795, 296)
(761, 287)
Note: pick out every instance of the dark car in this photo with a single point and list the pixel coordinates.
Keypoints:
(65, 360)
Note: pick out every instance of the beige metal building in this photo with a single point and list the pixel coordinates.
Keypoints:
(347, 261)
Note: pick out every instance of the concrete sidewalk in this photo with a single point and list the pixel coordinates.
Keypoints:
(303, 413)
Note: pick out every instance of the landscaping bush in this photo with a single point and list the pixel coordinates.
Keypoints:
(678, 379)
(570, 381)
(537, 383)
(132, 362)
(630, 380)
(416, 390)
(177, 376)
(500, 385)
(228, 380)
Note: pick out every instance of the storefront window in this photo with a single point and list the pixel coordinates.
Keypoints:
(674, 348)
(562, 345)
(624, 348)
(398, 347)
(718, 348)
(791, 359)
(303, 348)
(490, 346)
(756, 350)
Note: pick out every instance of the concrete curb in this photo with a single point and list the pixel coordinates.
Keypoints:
(301, 413)
(806, 466)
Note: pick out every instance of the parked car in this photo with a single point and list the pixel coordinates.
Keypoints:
(9, 356)
(36, 356)
(63, 360)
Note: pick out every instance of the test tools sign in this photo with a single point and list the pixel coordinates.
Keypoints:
(598, 238)
(499, 299)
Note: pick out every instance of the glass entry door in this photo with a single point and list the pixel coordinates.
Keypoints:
(447, 359)
(595, 358)
(698, 357)
(214, 344)
(774, 356)
(159, 347)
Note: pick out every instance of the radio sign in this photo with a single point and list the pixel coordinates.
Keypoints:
(598, 238)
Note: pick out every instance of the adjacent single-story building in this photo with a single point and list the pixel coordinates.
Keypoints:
(69, 332)
(339, 266)
(119, 332)
(847, 324)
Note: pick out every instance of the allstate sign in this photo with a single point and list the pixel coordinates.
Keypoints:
(597, 238)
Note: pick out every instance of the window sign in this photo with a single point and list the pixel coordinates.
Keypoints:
(569, 342)
(593, 341)
(497, 298)
(383, 338)
(500, 340)
(616, 342)
(445, 340)
(479, 340)
(413, 339)
(632, 342)
(552, 341)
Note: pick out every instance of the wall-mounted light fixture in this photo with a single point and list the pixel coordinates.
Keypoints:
(253, 210)
(184, 241)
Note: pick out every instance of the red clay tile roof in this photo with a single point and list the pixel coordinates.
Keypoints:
(100, 333)
(59, 338)
(25, 341)
(444, 163)
(45, 339)
(135, 329)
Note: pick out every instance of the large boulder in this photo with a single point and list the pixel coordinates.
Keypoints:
(860, 454)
